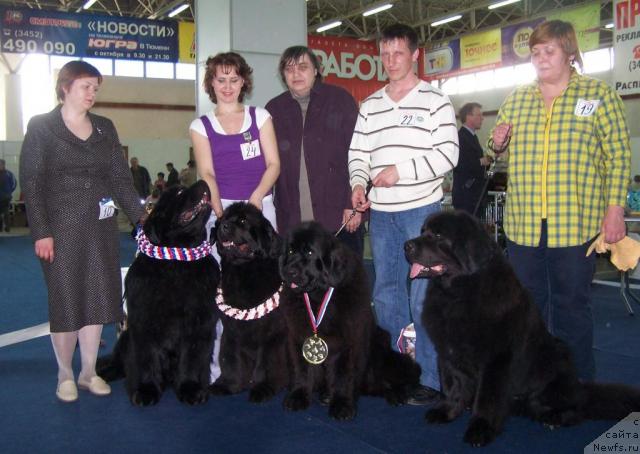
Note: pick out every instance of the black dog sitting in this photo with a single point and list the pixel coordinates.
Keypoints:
(252, 349)
(494, 353)
(170, 289)
(349, 355)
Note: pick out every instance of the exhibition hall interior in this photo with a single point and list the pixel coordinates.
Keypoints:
(157, 99)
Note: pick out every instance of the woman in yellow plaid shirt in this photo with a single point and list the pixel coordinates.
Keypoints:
(568, 170)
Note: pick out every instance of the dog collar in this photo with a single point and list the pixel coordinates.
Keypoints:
(254, 313)
(185, 254)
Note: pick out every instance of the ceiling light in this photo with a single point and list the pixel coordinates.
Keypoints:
(609, 25)
(503, 3)
(89, 4)
(329, 26)
(446, 20)
(377, 9)
(178, 10)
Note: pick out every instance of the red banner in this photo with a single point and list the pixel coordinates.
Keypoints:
(349, 63)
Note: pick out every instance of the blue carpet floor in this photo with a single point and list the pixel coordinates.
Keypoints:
(33, 420)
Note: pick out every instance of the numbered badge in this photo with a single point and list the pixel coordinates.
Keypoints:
(410, 119)
(107, 208)
(250, 150)
(586, 107)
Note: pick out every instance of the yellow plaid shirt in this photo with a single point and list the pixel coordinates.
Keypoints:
(566, 165)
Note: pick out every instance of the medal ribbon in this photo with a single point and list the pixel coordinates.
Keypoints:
(315, 322)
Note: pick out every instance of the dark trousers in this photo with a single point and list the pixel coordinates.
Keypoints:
(5, 201)
(355, 240)
(559, 280)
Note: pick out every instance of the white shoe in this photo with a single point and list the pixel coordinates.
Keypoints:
(67, 391)
(96, 386)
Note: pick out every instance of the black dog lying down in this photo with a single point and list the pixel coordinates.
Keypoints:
(350, 355)
(494, 352)
(170, 291)
(252, 350)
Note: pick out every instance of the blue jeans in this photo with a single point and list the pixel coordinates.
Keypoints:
(394, 307)
(559, 280)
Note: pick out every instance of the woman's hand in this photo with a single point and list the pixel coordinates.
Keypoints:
(44, 249)
(256, 201)
(613, 225)
(501, 134)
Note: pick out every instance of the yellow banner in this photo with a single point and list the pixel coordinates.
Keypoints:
(481, 49)
(186, 42)
(586, 20)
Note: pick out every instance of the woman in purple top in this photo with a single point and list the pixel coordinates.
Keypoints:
(235, 145)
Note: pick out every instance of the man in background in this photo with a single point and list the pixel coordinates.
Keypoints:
(172, 178)
(141, 179)
(469, 174)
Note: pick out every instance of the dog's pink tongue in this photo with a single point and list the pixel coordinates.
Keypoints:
(293, 285)
(415, 270)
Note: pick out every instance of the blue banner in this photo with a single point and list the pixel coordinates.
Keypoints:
(84, 35)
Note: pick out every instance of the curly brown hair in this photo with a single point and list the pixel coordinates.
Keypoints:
(227, 61)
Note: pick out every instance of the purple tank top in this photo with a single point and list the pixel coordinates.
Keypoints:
(237, 159)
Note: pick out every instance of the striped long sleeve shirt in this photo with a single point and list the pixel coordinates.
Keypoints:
(566, 165)
(418, 135)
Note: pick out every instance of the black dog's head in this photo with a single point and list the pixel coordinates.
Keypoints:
(314, 259)
(451, 244)
(179, 217)
(243, 233)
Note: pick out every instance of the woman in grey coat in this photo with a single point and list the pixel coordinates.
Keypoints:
(73, 173)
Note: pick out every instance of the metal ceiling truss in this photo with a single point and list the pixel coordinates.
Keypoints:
(417, 13)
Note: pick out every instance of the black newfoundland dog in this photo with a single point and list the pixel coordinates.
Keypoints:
(252, 349)
(326, 285)
(170, 289)
(495, 355)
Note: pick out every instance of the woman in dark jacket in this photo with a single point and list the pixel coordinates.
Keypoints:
(73, 172)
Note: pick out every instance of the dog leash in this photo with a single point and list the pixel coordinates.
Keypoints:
(355, 210)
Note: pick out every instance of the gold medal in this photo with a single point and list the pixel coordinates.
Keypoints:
(315, 350)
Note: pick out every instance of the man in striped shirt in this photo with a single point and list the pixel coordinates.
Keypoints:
(405, 141)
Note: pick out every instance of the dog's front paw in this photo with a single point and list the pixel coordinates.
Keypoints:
(438, 415)
(556, 418)
(342, 409)
(192, 393)
(397, 395)
(479, 432)
(217, 389)
(296, 400)
(146, 394)
(262, 392)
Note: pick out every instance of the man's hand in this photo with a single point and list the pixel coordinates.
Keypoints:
(44, 249)
(355, 221)
(613, 224)
(387, 178)
(486, 161)
(358, 199)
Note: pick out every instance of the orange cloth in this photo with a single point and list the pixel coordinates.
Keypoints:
(624, 254)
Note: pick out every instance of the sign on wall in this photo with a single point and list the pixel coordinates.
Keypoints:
(626, 41)
(350, 63)
(83, 35)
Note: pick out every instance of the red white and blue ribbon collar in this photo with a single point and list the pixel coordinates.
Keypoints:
(184, 254)
(254, 313)
(313, 319)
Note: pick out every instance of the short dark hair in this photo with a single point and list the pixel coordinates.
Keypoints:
(161, 174)
(293, 54)
(467, 109)
(71, 71)
(400, 31)
(169, 164)
(227, 60)
(191, 163)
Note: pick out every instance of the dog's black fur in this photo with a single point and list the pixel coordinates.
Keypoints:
(494, 353)
(360, 359)
(252, 352)
(171, 320)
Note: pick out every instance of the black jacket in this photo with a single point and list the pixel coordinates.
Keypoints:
(469, 174)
